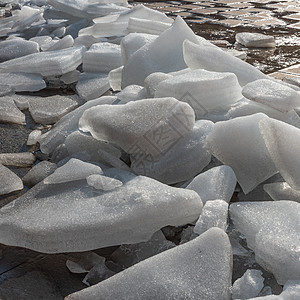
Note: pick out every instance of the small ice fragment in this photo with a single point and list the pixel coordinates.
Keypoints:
(33, 137)
(214, 214)
(22, 160)
(249, 285)
(255, 40)
(100, 182)
(92, 85)
(216, 183)
(38, 173)
(9, 181)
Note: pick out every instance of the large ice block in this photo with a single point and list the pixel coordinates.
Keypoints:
(216, 183)
(205, 91)
(272, 232)
(140, 127)
(73, 217)
(183, 160)
(200, 269)
(214, 59)
(283, 143)
(164, 54)
(46, 63)
(242, 149)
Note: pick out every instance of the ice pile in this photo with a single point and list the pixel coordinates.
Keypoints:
(140, 124)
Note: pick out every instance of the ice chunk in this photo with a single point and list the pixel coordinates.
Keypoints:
(22, 160)
(138, 11)
(213, 214)
(147, 26)
(85, 40)
(74, 217)
(74, 169)
(78, 141)
(243, 150)
(133, 126)
(133, 42)
(85, 263)
(153, 80)
(205, 91)
(273, 94)
(116, 24)
(92, 85)
(128, 255)
(246, 107)
(67, 124)
(9, 181)
(183, 160)
(98, 273)
(115, 79)
(11, 49)
(9, 111)
(102, 57)
(86, 9)
(46, 63)
(33, 137)
(272, 231)
(131, 93)
(20, 19)
(202, 271)
(256, 40)
(164, 54)
(43, 41)
(282, 191)
(100, 30)
(283, 143)
(70, 77)
(249, 285)
(63, 43)
(214, 59)
(291, 291)
(216, 183)
(103, 183)
(38, 173)
(21, 82)
(48, 110)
